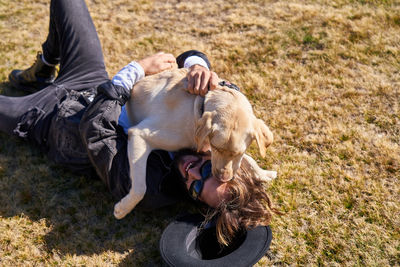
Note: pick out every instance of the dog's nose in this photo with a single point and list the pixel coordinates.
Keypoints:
(225, 176)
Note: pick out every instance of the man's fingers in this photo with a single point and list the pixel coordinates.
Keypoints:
(197, 83)
(166, 66)
(190, 84)
(157, 63)
(204, 83)
(214, 79)
(169, 58)
(201, 80)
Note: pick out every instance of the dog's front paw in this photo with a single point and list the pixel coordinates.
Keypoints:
(272, 174)
(119, 212)
(268, 175)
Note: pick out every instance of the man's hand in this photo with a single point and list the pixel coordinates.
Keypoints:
(157, 63)
(201, 80)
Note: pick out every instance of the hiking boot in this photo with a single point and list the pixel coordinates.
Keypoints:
(35, 78)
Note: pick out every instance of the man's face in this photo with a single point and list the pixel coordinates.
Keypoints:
(213, 191)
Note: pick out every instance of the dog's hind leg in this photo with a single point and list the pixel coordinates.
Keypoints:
(138, 152)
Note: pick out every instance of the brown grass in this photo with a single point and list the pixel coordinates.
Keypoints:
(325, 75)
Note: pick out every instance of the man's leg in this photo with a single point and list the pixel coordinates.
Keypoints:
(73, 42)
(19, 115)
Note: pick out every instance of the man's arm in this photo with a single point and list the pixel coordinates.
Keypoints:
(135, 71)
(105, 141)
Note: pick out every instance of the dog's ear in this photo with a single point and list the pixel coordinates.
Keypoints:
(263, 136)
(203, 129)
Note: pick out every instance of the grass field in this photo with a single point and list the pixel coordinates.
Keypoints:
(324, 75)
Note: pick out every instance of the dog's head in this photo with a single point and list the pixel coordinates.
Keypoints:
(228, 126)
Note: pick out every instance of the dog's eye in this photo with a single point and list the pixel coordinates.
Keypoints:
(235, 154)
(227, 153)
(220, 150)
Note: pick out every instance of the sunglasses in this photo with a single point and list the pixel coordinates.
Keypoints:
(197, 186)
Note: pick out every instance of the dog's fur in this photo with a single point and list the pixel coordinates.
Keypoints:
(165, 116)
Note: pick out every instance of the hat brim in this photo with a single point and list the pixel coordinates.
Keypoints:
(182, 244)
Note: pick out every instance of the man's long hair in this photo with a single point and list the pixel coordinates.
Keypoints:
(247, 203)
(246, 206)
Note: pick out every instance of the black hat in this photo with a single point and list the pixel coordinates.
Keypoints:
(182, 244)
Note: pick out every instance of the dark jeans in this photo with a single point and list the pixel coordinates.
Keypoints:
(73, 42)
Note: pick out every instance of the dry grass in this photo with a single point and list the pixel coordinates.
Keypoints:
(325, 75)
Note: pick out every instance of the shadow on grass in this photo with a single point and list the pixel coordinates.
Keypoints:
(77, 209)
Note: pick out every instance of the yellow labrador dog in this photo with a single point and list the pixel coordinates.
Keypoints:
(166, 116)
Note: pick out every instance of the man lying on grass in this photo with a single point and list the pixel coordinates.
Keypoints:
(79, 119)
